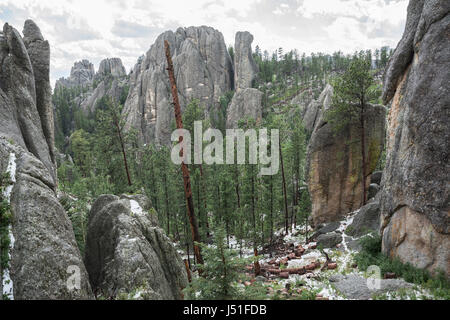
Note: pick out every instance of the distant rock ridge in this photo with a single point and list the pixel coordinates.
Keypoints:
(81, 74)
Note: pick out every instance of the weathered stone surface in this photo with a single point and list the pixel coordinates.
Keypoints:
(410, 236)
(245, 103)
(329, 240)
(354, 286)
(203, 71)
(81, 75)
(127, 251)
(334, 163)
(366, 220)
(415, 179)
(245, 68)
(39, 53)
(313, 114)
(330, 227)
(107, 86)
(44, 253)
(45, 249)
(17, 81)
(112, 66)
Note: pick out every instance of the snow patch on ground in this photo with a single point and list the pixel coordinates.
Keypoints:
(6, 278)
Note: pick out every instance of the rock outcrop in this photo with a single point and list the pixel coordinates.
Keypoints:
(203, 71)
(245, 103)
(111, 66)
(22, 119)
(313, 113)
(39, 53)
(415, 190)
(366, 220)
(127, 252)
(334, 162)
(110, 80)
(81, 75)
(44, 252)
(245, 68)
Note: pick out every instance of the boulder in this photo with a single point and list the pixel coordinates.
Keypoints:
(334, 163)
(366, 220)
(415, 195)
(245, 68)
(245, 103)
(203, 70)
(355, 287)
(126, 251)
(329, 240)
(330, 227)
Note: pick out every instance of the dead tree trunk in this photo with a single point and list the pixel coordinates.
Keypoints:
(286, 214)
(122, 146)
(184, 168)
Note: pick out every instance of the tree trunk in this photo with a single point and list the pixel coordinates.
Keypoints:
(184, 168)
(122, 146)
(286, 214)
(363, 153)
(166, 194)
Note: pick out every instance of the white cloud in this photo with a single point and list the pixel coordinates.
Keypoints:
(96, 29)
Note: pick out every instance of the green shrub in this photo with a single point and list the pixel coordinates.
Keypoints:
(371, 254)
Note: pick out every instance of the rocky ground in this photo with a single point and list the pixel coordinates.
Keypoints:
(297, 269)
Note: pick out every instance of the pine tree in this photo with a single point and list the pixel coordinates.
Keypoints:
(221, 271)
(352, 91)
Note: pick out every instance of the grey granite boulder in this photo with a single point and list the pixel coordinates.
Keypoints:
(127, 252)
(355, 287)
(329, 240)
(366, 220)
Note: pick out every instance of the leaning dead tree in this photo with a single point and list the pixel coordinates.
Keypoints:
(184, 167)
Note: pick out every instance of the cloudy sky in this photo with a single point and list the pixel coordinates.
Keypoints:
(97, 29)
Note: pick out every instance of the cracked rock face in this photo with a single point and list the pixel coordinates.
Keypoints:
(415, 189)
(44, 249)
(245, 68)
(334, 162)
(245, 103)
(203, 71)
(126, 251)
